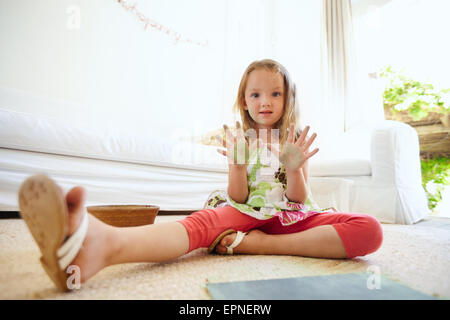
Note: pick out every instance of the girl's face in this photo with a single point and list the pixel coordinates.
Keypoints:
(264, 97)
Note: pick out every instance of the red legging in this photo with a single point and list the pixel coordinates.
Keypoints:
(361, 234)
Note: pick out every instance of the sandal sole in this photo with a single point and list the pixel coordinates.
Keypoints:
(43, 208)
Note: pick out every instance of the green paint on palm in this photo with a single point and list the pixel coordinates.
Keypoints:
(291, 156)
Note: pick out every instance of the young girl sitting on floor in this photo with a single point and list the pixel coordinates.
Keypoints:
(267, 208)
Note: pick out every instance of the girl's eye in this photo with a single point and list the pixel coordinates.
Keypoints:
(254, 95)
(277, 94)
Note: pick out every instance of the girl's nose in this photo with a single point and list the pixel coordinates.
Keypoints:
(265, 101)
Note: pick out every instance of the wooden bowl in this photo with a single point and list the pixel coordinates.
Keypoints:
(125, 215)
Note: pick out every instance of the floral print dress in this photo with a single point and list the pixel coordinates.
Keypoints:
(266, 178)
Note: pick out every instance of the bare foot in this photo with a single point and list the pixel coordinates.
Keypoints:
(98, 245)
(251, 244)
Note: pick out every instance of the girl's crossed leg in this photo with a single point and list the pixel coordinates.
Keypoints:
(325, 235)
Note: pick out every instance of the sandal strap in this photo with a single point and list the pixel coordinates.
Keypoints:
(72, 245)
(237, 241)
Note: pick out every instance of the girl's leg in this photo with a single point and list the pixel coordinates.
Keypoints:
(205, 226)
(326, 235)
(105, 245)
(166, 241)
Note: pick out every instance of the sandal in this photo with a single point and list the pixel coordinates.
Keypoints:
(239, 237)
(44, 210)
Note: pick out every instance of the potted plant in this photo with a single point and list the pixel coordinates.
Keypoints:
(412, 101)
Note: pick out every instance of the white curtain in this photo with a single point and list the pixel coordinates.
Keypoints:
(351, 95)
(337, 62)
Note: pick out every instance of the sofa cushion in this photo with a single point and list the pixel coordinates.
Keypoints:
(340, 167)
(25, 131)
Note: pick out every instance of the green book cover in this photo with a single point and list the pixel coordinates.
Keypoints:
(351, 286)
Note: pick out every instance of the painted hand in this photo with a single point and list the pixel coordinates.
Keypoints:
(296, 153)
(236, 147)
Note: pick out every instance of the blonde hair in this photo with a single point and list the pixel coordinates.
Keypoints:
(290, 109)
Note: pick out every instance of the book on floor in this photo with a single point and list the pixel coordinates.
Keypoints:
(350, 286)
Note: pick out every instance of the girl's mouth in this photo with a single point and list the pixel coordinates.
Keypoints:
(266, 112)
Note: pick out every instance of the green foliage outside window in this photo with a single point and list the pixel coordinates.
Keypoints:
(417, 98)
(435, 176)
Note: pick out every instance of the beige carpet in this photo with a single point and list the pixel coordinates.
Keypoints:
(418, 256)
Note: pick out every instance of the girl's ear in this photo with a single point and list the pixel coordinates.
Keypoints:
(244, 104)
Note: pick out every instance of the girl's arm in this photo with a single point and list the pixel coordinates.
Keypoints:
(237, 163)
(295, 157)
(237, 183)
(296, 184)
(305, 171)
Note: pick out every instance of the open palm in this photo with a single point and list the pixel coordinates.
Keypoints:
(296, 153)
(237, 148)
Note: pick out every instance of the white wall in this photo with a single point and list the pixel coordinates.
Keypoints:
(119, 74)
(297, 44)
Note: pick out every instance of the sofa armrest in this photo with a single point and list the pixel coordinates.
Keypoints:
(396, 190)
(395, 154)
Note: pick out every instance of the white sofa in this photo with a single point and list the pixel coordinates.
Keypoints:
(378, 173)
